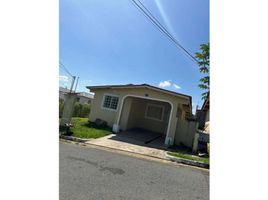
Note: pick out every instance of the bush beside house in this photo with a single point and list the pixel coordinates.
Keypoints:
(80, 110)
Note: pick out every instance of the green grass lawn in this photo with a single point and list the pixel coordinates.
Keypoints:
(84, 129)
(189, 157)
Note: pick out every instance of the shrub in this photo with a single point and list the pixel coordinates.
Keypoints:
(77, 109)
(81, 110)
(85, 110)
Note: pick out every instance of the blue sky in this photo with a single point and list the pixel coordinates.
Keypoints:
(112, 42)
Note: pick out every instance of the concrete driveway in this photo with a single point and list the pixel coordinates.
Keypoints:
(136, 141)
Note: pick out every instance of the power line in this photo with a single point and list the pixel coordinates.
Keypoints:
(65, 69)
(73, 77)
(155, 18)
(160, 27)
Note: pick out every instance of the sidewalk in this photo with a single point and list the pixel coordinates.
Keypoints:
(124, 146)
(109, 143)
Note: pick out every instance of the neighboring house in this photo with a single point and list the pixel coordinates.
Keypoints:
(62, 92)
(202, 115)
(144, 106)
(82, 97)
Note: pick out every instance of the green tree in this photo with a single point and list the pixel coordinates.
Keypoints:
(81, 110)
(203, 61)
(77, 109)
(85, 110)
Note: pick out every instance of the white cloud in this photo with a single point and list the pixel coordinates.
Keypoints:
(176, 86)
(168, 83)
(165, 83)
(63, 78)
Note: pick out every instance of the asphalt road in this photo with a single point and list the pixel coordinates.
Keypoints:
(89, 173)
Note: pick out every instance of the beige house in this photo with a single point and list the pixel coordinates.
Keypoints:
(125, 107)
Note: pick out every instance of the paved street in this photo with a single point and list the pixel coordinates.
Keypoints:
(89, 173)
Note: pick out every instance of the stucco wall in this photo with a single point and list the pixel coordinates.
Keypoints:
(126, 113)
(98, 112)
(133, 116)
(68, 108)
(136, 111)
(150, 124)
(185, 131)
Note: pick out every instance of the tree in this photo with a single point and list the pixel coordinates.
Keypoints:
(203, 61)
(81, 110)
(77, 109)
(85, 110)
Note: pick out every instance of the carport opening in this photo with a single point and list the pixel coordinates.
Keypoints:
(145, 119)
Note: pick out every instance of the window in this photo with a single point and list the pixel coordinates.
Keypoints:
(154, 112)
(110, 102)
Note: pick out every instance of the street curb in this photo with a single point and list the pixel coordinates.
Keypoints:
(187, 162)
(75, 139)
(168, 158)
(102, 146)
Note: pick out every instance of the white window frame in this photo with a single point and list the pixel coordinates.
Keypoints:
(103, 99)
(155, 105)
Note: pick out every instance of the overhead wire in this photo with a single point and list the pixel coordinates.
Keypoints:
(68, 72)
(65, 69)
(161, 28)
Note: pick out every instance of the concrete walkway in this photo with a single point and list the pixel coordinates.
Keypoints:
(120, 142)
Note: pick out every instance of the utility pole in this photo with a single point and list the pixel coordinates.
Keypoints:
(76, 83)
(69, 101)
(72, 84)
(69, 105)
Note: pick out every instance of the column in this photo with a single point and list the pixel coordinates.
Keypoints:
(169, 141)
(68, 108)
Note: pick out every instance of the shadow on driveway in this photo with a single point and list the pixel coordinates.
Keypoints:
(142, 137)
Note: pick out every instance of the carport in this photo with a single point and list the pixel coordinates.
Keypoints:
(145, 119)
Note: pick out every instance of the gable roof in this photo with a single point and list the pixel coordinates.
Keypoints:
(142, 86)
